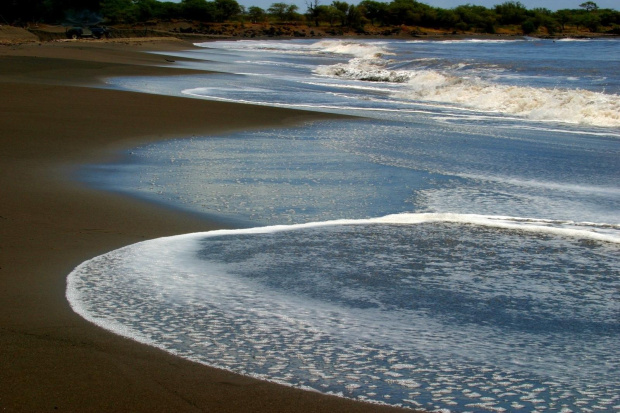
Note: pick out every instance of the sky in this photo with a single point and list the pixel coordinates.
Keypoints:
(449, 4)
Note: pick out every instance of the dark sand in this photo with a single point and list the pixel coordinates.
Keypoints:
(50, 358)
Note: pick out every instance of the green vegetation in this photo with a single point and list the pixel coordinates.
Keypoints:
(510, 15)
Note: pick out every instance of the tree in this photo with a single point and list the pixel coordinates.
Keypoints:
(198, 10)
(313, 12)
(447, 19)
(145, 9)
(476, 17)
(402, 12)
(529, 26)
(589, 6)
(283, 11)
(54, 11)
(410, 12)
(511, 12)
(342, 8)
(225, 9)
(117, 11)
(462, 26)
(329, 14)
(544, 17)
(590, 21)
(167, 10)
(563, 17)
(375, 11)
(609, 17)
(354, 18)
(256, 14)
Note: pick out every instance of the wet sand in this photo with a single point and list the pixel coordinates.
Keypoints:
(52, 119)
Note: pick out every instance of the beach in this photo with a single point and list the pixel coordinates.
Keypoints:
(53, 118)
(413, 223)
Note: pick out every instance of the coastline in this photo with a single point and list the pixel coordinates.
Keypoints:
(51, 358)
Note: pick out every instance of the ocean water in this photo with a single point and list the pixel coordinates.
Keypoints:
(454, 247)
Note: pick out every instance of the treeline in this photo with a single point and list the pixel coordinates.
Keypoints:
(338, 13)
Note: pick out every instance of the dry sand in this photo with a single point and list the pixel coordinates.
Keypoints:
(50, 358)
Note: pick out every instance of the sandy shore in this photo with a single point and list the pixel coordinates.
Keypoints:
(50, 358)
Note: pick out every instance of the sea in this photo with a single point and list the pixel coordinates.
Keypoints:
(452, 245)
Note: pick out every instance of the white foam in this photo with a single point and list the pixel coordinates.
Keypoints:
(584, 230)
(574, 106)
(371, 70)
(572, 39)
(579, 230)
(245, 45)
(182, 249)
(464, 41)
(206, 93)
(559, 105)
(345, 47)
(179, 251)
(451, 87)
(243, 311)
(323, 47)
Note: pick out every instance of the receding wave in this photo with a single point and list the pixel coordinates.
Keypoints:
(434, 310)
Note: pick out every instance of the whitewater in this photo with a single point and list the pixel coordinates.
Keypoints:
(453, 247)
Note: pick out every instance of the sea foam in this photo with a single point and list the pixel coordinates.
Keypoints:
(308, 306)
(481, 308)
(452, 87)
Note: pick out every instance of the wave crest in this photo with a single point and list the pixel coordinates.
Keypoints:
(369, 70)
(603, 232)
(560, 105)
(576, 106)
(363, 50)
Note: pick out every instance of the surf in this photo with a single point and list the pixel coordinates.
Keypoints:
(487, 278)
(369, 308)
(455, 85)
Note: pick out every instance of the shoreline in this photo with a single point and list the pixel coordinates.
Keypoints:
(195, 31)
(55, 118)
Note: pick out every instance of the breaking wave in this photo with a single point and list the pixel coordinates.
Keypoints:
(469, 90)
(366, 69)
(360, 50)
(558, 105)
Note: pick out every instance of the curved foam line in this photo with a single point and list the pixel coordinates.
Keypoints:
(583, 230)
(580, 230)
(506, 222)
(576, 229)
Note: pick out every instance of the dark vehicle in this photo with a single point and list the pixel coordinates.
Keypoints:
(96, 32)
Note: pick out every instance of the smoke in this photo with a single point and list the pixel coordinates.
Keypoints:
(82, 18)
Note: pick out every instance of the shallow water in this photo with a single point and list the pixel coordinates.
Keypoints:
(416, 310)
(494, 287)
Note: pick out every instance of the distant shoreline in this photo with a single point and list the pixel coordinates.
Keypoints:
(192, 32)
